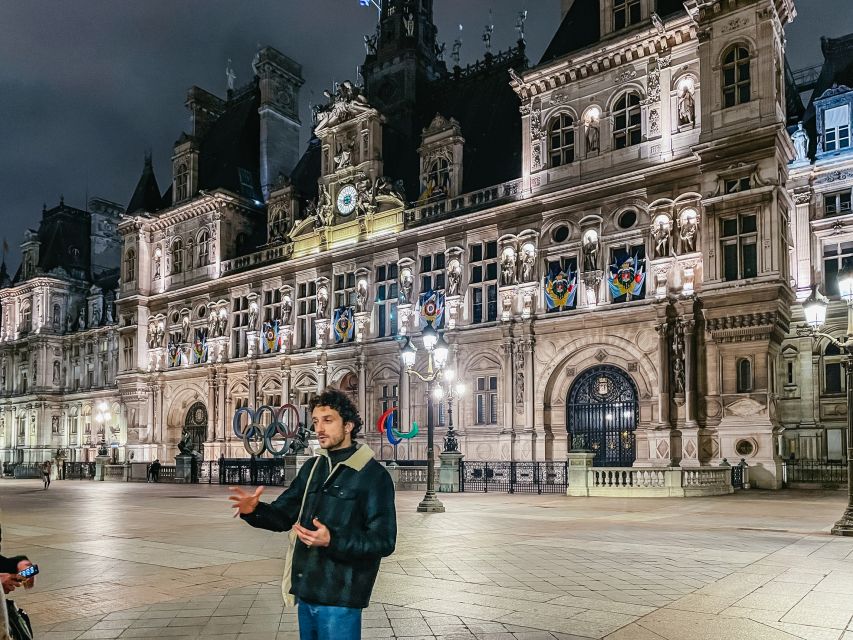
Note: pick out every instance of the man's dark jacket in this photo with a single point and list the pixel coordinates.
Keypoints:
(355, 500)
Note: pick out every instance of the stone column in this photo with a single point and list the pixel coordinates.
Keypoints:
(802, 242)
(253, 385)
(322, 370)
(222, 430)
(149, 414)
(211, 405)
(663, 374)
(527, 345)
(285, 380)
(405, 399)
(689, 374)
(509, 387)
(362, 385)
(160, 415)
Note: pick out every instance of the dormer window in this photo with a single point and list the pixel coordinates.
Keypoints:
(736, 76)
(561, 140)
(836, 128)
(836, 204)
(182, 183)
(625, 13)
(177, 256)
(130, 266)
(438, 179)
(627, 130)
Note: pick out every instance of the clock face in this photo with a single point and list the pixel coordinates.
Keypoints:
(346, 200)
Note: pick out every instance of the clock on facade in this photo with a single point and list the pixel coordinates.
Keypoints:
(346, 200)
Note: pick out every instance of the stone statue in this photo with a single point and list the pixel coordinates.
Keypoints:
(370, 45)
(81, 319)
(253, 317)
(96, 317)
(688, 227)
(286, 310)
(159, 335)
(801, 143)
(519, 24)
(221, 324)
(361, 296)
(407, 281)
(686, 108)
(324, 207)
(230, 76)
(56, 372)
(678, 358)
(508, 267)
(152, 333)
(185, 329)
(110, 319)
(157, 261)
(454, 278)
(457, 47)
(343, 156)
(661, 234)
(211, 323)
(590, 252)
(185, 446)
(409, 22)
(322, 301)
(300, 442)
(528, 265)
(487, 37)
(592, 135)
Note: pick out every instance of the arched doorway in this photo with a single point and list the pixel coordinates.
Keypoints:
(602, 412)
(195, 424)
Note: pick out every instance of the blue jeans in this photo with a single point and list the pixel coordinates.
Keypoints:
(322, 622)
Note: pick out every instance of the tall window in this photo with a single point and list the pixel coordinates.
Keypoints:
(619, 255)
(345, 290)
(738, 246)
(130, 266)
(483, 284)
(272, 305)
(177, 256)
(625, 13)
(836, 128)
(437, 179)
(389, 396)
(487, 400)
(627, 130)
(835, 204)
(239, 322)
(561, 140)
(129, 357)
(836, 256)
(182, 183)
(432, 272)
(736, 79)
(569, 268)
(744, 375)
(386, 299)
(306, 306)
(203, 248)
(26, 316)
(833, 380)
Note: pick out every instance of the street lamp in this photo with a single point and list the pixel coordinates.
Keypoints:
(451, 444)
(814, 309)
(437, 351)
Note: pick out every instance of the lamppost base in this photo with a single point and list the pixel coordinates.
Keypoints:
(430, 504)
(844, 527)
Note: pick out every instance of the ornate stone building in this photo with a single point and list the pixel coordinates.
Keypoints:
(608, 239)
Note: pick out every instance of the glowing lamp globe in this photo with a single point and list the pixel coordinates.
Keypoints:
(408, 354)
(814, 309)
(430, 337)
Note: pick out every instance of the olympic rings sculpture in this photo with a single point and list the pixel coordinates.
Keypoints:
(385, 425)
(258, 438)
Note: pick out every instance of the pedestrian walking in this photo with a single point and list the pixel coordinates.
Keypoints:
(45, 473)
(155, 470)
(342, 521)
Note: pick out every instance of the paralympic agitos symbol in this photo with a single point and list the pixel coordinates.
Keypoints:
(385, 425)
(258, 438)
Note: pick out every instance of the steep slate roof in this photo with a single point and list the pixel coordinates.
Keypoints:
(580, 27)
(837, 65)
(146, 196)
(306, 172)
(64, 234)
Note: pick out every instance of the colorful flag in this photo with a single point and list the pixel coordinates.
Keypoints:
(270, 341)
(174, 355)
(560, 289)
(200, 346)
(431, 308)
(626, 278)
(344, 324)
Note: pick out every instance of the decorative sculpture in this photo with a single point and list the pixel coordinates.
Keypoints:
(185, 446)
(322, 301)
(361, 296)
(252, 325)
(454, 277)
(185, 329)
(230, 76)
(409, 23)
(686, 107)
(688, 227)
(286, 309)
(528, 263)
(661, 231)
(519, 24)
(801, 143)
(211, 323)
(590, 251)
(370, 44)
(407, 281)
(508, 267)
(678, 357)
(592, 133)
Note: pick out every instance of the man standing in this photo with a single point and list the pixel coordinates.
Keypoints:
(45, 473)
(341, 509)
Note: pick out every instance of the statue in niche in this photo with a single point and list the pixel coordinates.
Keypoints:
(286, 309)
(322, 301)
(361, 296)
(528, 263)
(96, 316)
(152, 333)
(407, 281)
(56, 372)
(185, 329)
(81, 319)
(221, 323)
(409, 23)
(508, 267)
(590, 251)
(253, 317)
(157, 261)
(159, 335)
(686, 108)
(801, 143)
(211, 323)
(324, 208)
(343, 157)
(688, 227)
(592, 134)
(454, 278)
(678, 357)
(661, 231)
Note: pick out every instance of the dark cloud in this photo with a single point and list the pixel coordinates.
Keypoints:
(87, 86)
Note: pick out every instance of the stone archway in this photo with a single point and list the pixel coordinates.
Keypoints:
(195, 423)
(602, 411)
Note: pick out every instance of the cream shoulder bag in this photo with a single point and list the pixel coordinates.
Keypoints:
(289, 598)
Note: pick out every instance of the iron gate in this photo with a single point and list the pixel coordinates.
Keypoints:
(513, 477)
(195, 424)
(602, 416)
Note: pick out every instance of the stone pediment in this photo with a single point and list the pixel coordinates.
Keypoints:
(746, 407)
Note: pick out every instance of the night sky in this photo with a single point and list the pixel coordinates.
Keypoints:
(87, 86)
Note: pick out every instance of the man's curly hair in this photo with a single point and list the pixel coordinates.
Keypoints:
(340, 402)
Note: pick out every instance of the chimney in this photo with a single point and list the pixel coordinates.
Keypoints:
(564, 9)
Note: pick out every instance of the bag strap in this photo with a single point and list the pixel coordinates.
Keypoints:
(307, 485)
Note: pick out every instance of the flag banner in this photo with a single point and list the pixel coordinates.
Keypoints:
(200, 346)
(431, 308)
(626, 278)
(174, 355)
(271, 340)
(560, 289)
(343, 325)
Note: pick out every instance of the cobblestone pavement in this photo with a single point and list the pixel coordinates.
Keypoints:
(156, 561)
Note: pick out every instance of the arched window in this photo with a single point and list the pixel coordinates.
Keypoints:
(26, 315)
(130, 266)
(627, 130)
(203, 248)
(832, 373)
(182, 183)
(561, 140)
(437, 178)
(736, 78)
(177, 256)
(744, 375)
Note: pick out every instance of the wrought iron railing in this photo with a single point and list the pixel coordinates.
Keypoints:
(78, 470)
(28, 470)
(514, 477)
(815, 472)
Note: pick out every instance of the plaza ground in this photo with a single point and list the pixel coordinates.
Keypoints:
(156, 561)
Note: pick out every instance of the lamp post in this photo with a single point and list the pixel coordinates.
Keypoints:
(437, 352)
(102, 418)
(814, 309)
(451, 444)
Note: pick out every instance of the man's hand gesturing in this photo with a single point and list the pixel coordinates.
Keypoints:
(320, 537)
(11, 581)
(244, 503)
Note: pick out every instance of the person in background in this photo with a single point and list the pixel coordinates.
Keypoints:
(45, 473)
